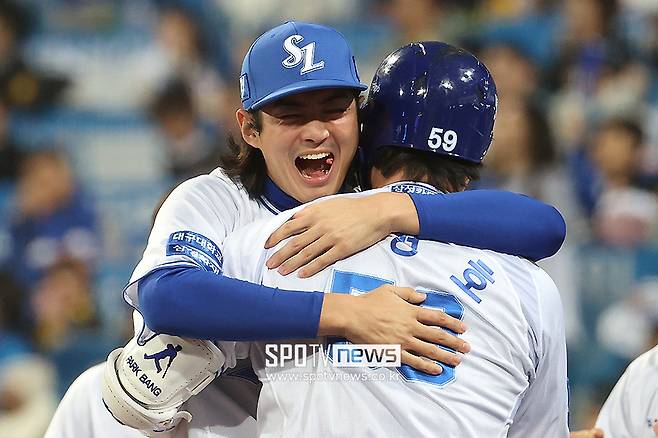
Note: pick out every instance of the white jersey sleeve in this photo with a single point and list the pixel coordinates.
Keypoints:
(191, 225)
(631, 409)
(542, 411)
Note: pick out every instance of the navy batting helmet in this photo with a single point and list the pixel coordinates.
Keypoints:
(432, 97)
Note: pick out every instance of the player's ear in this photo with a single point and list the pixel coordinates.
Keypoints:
(248, 130)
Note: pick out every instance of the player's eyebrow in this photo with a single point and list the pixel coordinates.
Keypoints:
(342, 99)
(337, 96)
(284, 105)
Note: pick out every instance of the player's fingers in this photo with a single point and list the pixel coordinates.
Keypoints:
(441, 337)
(292, 247)
(588, 433)
(322, 260)
(305, 255)
(291, 227)
(420, 364)
(434, 352)
(408, 294)
(439, 318)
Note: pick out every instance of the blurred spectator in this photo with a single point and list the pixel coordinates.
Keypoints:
(589, 37)
(187, 52)
(10, 153)
(53, 217)
(27, 397)
(421, 20)
(515, 74)
(66, 329)
(597, 76)
(61, 303)
(399, 22)
(638, 310)
(21, 86)
(245, 24)
(13, 342)
(523, 158)
(62, 16)
(190, 145)
(624, 214)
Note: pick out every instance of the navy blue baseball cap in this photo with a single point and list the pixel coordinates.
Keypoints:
(295, 57)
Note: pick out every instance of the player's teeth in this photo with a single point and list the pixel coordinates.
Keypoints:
(314, 156)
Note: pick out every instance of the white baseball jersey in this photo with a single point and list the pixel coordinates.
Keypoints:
(189, 230)
(631, 409)
(512, 383)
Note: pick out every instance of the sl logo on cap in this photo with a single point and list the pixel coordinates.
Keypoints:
(299, 54)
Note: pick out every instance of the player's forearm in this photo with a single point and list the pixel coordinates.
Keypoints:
(190, 302)
(398, 211)
(492, 219)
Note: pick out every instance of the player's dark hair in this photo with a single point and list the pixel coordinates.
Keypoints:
(244, 163)
(443, 172)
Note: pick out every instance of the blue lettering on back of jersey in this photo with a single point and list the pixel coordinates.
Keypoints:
(477, 277)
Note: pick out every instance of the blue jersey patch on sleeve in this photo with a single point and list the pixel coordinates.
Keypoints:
(197, 247)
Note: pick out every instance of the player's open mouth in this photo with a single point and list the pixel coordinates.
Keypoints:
(315, 167)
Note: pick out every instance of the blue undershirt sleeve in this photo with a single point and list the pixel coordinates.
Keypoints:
(501, 221)
(194, 303)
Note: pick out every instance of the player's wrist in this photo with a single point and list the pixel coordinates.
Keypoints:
(399, 213)
(335, 315)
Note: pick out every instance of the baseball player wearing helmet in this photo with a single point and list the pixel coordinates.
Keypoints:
(428, 123)
(285, 158)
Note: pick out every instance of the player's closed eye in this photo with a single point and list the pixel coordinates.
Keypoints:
(336, 110)
(290, 119)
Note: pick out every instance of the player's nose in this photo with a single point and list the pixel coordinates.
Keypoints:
(315, 131)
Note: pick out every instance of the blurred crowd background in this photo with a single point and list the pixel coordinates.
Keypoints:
(106, 104)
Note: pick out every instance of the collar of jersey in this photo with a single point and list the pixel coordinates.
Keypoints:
(277, 198)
